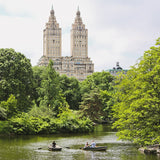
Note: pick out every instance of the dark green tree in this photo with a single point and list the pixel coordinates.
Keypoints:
(137, 107)
(101, 82)
(91, 106)
(71, 90)
(16, 77)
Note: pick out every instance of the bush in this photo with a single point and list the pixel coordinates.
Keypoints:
(67, 122)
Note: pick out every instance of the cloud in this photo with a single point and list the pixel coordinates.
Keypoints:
(118, 30)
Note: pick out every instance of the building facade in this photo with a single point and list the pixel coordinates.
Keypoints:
(117, 70)
(79, 38)
(52, 37)
(78, 65)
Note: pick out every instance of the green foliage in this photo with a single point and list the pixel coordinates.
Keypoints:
(9, 107)
(137, 106)
(96, 96)
(41, 111)
(107, 103)
(4, 127)
(36, 101)
(38, 74)
(16, 78)
(66, 122)
(91, 106)
(49, 86)
(3, 114)
(50, 92)
(101, 80)
(26, 124)
(71, 91)
(70, 121)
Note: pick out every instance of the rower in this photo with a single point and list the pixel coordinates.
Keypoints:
(54, 144)
(93, 144)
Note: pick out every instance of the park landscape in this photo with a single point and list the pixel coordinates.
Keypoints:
(71, 100)
(37, 100)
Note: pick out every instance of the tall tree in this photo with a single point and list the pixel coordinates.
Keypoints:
(101, 84)
(91, 106)
(137, 107)
(16, 78)
(50, 92)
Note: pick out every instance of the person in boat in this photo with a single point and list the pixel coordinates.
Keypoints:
(86, 145)
(93, 144)
(54, 144)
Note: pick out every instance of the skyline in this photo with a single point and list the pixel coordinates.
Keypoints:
(117, 31)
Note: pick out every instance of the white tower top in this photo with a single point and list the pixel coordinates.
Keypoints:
(79, 38)
(52, 37)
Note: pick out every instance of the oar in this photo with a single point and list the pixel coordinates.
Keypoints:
(42, 148)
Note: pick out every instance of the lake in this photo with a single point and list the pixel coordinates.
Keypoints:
(27, 147)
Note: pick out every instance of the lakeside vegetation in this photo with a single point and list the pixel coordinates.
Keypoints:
(37, 100)
(137, 100)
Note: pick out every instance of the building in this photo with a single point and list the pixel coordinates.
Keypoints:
(78, 65)
(116, 70)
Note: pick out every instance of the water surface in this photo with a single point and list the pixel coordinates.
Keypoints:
(27, 147)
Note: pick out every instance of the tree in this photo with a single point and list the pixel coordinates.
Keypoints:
(71, 91)
(101, 84)
(91, 106)
(101, 80)
(16, 78)
(38, 75)
(107, 102)
(3, 114)
(50, 93)
(137, 107)
(9, 107)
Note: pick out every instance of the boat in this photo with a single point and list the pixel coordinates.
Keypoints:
(100, 148)
(57, 148)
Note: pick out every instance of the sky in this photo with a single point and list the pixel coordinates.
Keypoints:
(118, 30)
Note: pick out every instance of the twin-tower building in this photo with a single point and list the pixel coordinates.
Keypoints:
(78, 64)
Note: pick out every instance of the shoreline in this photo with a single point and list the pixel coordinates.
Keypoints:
(152, 149)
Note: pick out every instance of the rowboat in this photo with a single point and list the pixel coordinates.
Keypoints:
(57, 148)
(100, 148)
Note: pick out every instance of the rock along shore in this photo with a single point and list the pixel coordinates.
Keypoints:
(153, 149)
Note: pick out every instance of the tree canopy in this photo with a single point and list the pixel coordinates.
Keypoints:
(50, 94)
(71, 91)
(96, 92)
(16, 77)
(137, 105)
(101, 80)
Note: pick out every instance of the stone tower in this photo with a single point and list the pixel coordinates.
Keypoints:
(78, 65)
(79, 38)
(52, 37)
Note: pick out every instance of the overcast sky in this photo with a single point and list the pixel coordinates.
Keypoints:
(118, 30)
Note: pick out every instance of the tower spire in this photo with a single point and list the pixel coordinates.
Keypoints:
(78, 12)
(52, 11)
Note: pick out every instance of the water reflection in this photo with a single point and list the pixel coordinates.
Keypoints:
(26, 147)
